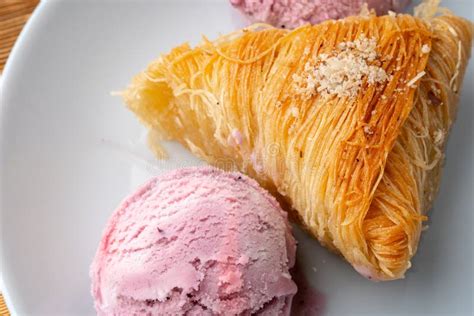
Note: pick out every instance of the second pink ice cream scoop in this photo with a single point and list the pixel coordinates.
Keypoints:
(294, 13)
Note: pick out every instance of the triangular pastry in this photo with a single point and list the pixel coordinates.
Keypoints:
(346, 121)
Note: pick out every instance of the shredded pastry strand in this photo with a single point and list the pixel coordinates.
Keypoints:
(359, 166)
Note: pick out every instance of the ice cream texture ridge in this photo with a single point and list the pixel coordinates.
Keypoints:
(196, 241)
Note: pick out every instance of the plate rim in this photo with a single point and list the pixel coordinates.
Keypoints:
(7, 73)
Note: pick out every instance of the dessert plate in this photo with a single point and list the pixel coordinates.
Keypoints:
(69, 152)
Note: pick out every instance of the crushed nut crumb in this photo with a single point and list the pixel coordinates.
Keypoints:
(425, 49)
(294, 111)
(438, 137)
(412, 82)
(368, 130)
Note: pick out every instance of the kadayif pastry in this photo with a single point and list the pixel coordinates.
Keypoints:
(346, 121)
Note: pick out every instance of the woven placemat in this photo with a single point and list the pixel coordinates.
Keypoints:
(13, 16)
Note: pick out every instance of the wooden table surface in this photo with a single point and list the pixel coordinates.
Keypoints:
(13, 16)
(3, 307)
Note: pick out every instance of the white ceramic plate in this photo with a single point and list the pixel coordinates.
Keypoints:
(70, 152)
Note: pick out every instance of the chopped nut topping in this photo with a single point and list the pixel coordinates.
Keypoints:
(343, 73)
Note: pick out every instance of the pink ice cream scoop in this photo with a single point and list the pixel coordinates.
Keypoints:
(195, 241)
(293, 13)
